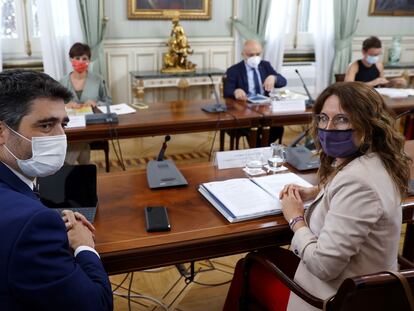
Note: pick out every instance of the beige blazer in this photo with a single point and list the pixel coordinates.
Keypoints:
(354, 228)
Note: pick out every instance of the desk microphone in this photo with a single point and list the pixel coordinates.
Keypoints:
(301, 157)
(163, 173)
(309, 102)
(108, 117)
(163, 148)
(409, 111)
(218, 106)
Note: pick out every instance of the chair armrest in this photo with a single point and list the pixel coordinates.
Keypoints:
(261, 259)
(405, 263)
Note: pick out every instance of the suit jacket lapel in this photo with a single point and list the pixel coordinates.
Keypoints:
(14, 182)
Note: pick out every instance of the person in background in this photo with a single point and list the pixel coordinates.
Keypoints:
(353, 224)
(370, 69)
(88, 90)
(253, 76)
(47, 261)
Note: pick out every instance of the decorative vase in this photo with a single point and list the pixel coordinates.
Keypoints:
(394, 52)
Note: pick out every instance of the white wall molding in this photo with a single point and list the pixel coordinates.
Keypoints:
(125, 55)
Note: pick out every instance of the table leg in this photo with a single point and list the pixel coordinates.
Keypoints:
(265, 136)
(252, 137)
(408, 249)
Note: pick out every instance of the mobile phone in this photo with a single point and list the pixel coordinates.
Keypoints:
(156, 218)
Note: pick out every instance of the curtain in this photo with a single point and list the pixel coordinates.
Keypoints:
(322, 28)
(59, 28)
(345, 17)
(254, 19)
(275, 33)
(93, 23)
(1, 31)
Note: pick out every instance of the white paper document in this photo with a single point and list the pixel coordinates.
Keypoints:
(242, 198)
(76, 121)
(395, 93)
(118, 109)
(288, 106)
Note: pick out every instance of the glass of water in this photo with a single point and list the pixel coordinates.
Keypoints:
(254, 162)
(278, 157)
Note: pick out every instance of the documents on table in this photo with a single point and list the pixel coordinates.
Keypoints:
(258, 99)
(242, 198)
(84, 110)
(395, 93)
(118, 109)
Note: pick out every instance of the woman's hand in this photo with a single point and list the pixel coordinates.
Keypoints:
(292, 205)
(73, 105)
(306, 193)
(90, 103)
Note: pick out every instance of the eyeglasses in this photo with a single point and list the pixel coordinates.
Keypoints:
(340, 121)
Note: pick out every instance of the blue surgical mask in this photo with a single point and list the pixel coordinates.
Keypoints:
(372, 59)
(337, 143)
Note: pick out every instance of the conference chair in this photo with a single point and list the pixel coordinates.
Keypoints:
(380, 291)
(339, 77)
(102, 145)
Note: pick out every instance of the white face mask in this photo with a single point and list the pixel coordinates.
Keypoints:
(48, 155)
(254, 61)
(372, 59)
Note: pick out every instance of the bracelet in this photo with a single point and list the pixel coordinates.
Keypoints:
(295, 220)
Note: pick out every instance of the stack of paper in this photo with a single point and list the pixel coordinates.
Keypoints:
(395, 93)
(118, 109)
(242, 198)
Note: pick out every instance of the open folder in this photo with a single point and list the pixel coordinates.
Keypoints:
(243, 198)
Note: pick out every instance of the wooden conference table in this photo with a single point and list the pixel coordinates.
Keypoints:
(186, 116)
(198, 230)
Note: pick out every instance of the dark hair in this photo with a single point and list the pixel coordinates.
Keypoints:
(371, 42)
(18, 90)
(371, 120)
(79, 49)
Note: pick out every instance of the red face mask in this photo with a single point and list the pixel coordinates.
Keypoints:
(79, 66)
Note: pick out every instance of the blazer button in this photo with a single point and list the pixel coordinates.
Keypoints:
(296, 252)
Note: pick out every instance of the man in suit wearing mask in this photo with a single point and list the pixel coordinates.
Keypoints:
(47, 260)
(253, 76)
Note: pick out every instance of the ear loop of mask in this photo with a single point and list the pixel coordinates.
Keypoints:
(18, 134)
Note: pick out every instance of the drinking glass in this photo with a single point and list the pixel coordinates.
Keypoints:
(278, 157)
(254, 162)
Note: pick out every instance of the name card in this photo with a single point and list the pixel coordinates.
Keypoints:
(238, 158)
(288, 106)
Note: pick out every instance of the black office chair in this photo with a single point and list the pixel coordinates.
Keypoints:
(102, 145)
(380, 291)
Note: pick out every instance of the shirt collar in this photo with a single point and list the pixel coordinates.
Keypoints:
(23, 178)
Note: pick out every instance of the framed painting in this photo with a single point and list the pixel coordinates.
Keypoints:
(392, 7)
(165, 9)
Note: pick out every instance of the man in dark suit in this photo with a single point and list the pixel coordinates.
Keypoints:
(47, 261)
(253, 76)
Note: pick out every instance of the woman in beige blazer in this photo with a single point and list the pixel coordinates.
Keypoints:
(353, 225)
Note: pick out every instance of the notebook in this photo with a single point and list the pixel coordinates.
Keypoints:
(258, 99)
(243, 198)
(73, 187)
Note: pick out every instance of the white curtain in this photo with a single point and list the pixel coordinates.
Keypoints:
(1, 31)
(275, 33)
(59, 27)
(322, 27)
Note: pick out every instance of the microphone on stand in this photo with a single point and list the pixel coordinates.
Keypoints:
(108, 117)
(163, 173)
(163, 148)
(218, 106)
(299, 156)
(299, 138)
(309, 102)
(402, 114)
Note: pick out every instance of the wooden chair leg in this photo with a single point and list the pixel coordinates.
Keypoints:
(232, 137)
(107, 167)
(222, 137)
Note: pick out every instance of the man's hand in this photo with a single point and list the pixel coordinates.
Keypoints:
(379, 81)
(78, 233)
(269, 83)
(240, 94)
